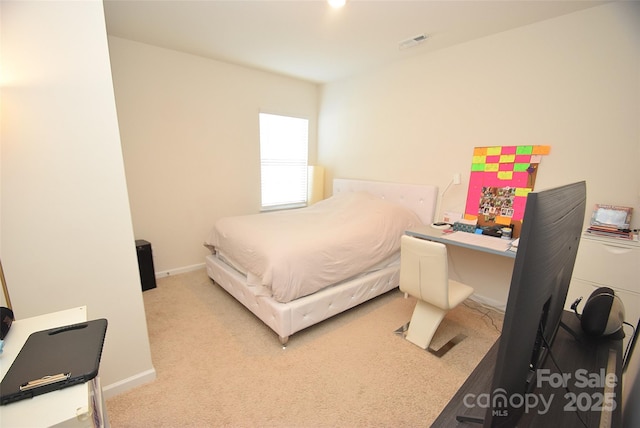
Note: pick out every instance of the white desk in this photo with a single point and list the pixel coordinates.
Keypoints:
(484, 243)
(70, 407)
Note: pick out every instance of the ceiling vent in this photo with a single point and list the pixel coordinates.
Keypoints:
(413, 41)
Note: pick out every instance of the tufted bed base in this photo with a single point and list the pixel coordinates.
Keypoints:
(288, 318)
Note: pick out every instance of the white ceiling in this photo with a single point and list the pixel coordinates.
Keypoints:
(307, 39)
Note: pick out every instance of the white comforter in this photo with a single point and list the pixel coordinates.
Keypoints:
(294, 253)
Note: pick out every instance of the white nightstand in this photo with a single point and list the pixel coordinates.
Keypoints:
(76, 406)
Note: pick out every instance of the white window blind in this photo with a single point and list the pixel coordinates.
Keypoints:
(283, 160)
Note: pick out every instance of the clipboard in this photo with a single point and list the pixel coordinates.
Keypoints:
(54, 359)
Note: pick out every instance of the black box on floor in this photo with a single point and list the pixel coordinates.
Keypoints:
(145, 264)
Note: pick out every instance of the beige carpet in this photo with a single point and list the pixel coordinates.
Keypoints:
(218, 365)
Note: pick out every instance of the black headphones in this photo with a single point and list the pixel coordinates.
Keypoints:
(603, 314)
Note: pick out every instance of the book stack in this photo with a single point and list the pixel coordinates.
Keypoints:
(611, 221)
(610, 232)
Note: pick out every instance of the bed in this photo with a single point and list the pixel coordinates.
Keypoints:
(296, 268)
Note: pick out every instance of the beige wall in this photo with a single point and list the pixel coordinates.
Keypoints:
(189, 129)
(67, 238)
(572, 82)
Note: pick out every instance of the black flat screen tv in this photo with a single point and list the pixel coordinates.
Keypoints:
(552, 225)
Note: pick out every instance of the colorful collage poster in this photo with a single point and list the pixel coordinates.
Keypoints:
(501, 178)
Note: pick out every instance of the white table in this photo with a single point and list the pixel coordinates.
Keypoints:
(484, 243)
(76, 406)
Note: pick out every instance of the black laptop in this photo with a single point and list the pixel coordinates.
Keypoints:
(54, 359)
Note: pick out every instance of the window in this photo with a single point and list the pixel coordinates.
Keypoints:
(283, 160)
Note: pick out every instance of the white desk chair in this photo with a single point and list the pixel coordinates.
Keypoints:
(424, 275)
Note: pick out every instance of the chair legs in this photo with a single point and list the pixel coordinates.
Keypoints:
(424, 322)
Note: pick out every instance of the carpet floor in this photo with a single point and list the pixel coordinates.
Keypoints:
(218, 365)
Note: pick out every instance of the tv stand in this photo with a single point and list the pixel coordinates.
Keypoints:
(587, 362)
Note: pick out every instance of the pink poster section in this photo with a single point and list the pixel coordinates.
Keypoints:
(501, 178)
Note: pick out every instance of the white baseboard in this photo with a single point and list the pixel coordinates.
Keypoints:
(125, 385)
(176, 271)
(500, 306)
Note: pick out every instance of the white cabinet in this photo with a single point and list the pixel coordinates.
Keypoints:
(607, 262)
(613, 263)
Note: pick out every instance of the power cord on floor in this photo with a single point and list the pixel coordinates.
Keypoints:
(630, 344)
(484, 314)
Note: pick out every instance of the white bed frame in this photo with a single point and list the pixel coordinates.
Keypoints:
(288, 318)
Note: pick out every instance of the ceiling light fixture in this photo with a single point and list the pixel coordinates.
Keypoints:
(413, 41)
(336, 4)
